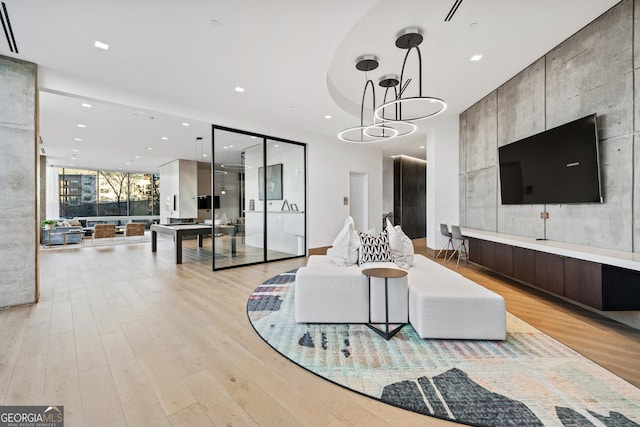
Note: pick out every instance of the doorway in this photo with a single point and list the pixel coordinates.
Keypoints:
(358, 199)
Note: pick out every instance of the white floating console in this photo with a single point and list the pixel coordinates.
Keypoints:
(600, 278)
(286, 230)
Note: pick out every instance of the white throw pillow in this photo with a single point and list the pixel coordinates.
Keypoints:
(345, 246)
(401, 246)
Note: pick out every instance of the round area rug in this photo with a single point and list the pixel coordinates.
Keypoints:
(529, 379)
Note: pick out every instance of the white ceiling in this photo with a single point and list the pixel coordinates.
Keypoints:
(171, 62)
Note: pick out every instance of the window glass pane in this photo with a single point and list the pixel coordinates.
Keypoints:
(140, 194)
(261, 211)
(113, 193)
(78, 193)
(286, 198)
(238, 227)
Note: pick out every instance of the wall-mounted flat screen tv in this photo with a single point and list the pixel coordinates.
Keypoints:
(560, 165)
(205, 202)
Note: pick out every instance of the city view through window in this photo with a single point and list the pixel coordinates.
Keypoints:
(89, 193)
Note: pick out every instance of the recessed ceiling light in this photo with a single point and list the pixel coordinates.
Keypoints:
(204, 154)
(137, 157)
(422, 146)
(82, 126)
(85, 105)
(328, 117)
(149, 148)
(185, 124)
(230, 145)
(254, 137)
(164, 138)
(225, 147)
(77, 139)
(126, 163)
(101, 45)
(75, 150)
(476, 57)
(239, 89)
(276, 145)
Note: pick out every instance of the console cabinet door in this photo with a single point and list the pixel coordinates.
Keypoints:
(504, 259)
(475, 250)
(482, 252)
(583, 282)
(550, 272)
(524, 265)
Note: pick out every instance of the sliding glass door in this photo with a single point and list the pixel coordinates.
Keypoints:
(259, 192)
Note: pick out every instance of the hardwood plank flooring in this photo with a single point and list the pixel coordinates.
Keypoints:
(122, 336)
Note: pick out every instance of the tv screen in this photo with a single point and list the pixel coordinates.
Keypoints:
(204, 202)
(560, 165)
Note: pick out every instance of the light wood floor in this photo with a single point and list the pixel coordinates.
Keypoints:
(124, 337)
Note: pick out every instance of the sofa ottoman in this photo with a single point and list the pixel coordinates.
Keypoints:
(328, 293)
(444, 304)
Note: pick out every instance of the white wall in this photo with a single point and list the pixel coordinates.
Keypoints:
(53, 192)
(387, 184)
(178, 178)
(329, 164)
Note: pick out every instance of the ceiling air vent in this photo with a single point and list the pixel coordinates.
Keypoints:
(8, 31)
(454, 8)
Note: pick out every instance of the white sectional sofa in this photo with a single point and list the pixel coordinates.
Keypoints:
(327, 293)
(438, 302)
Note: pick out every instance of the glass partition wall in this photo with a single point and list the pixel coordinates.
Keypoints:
(259, 192)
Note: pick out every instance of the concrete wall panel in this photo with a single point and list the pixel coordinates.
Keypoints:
(481, 199)
(18, 183)
(520, 220)
(462, 167)
(636, 194)
(521, 109)
(462, 185)
(591, 72)
(482, 133)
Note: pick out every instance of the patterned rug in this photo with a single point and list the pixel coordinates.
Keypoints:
(529, 379)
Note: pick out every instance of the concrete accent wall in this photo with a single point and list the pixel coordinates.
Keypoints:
(18, 183)
(591, 72)
(481, 170)
(521, 109)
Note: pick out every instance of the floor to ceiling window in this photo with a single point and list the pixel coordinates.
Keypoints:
(90, 193)
(259, 191)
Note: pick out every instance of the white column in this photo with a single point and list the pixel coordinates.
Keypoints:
(442, 178)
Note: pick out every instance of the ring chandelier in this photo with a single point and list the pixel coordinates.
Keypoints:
(389, 120)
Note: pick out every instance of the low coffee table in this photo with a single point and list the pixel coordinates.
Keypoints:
(386, 274)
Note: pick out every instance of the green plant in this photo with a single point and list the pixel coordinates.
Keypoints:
(48, 222)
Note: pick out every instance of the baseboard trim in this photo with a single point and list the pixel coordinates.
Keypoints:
(319, 251)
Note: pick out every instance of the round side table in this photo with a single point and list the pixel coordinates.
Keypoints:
(386, 274)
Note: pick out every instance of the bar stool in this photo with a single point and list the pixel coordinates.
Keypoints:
(444, 230)
(462, 246)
